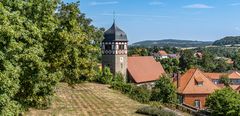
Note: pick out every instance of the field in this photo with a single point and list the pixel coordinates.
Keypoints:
(88, 99)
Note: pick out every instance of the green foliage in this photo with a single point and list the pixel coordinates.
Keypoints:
(153, 111)
(225, 80)
(187, 60)
(141, 94)
(106, 76)
(172, 43)
(229, 40)
(39, 45)
(224, 102)
(138, 51)
(236, 60)
(164, 91)
(170, 65)
(74, 49)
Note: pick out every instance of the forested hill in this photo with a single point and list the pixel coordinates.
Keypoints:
(229, 40)
(173, 43)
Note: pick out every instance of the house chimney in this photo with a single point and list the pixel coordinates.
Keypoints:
(178, 79)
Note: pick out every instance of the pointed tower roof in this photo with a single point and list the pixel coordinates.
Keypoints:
(115, 34)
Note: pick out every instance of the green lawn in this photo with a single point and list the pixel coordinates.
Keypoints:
(88, 99)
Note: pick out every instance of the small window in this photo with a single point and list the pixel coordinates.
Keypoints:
(121, 47)
(199, 83)
(121, 65)
(108, 47)
(197, 103)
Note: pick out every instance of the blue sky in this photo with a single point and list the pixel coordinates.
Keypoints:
(205, 20)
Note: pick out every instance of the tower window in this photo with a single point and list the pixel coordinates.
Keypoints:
(121, 47)
(108, 47)
(121, 65)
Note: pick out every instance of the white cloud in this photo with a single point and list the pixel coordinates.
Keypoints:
(94, 3)
(198, 6)
(235, 4)
(135, 15)
(155, 3)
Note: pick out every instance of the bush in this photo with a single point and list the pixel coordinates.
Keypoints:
(153, 111)
(106, 76)
(140, 94)
(164, 91)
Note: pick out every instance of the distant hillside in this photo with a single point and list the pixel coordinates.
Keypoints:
(172, 43)
(229, 40)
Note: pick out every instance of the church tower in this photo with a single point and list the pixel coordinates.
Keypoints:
(114, 50)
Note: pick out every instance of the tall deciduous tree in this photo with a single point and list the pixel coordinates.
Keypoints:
(74, 46)
(164, 91)
(187, 59)
(224, 102)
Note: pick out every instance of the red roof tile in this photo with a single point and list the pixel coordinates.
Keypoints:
(232, 75)
(187, 84)
(162, 52)
(144, 69)
(214, 75)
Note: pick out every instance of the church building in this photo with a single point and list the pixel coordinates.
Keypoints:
(141, 70)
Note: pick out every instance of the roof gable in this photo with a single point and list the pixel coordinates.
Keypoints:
(188, 83)
(234, 75)
(144, 69)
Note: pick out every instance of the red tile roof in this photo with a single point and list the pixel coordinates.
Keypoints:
(232, 75)
(187, 83)
(144, 69)
(214, 75)
(162, 53)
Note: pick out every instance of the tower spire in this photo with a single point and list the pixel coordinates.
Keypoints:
(114, 17)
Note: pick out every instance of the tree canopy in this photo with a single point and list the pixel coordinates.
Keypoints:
(41, 43)
(224, 102)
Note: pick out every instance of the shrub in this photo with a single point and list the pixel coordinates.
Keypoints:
(224, 102)
(140, 94)
(106, 76)
(153, 111)
(164, 91)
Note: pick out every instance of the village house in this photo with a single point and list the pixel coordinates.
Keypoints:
(195, 86)
(144, 70)
(141, 70)
(161, 54)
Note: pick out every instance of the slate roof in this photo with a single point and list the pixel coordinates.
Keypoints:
(114, 34)
(187, 83)
(144, 69)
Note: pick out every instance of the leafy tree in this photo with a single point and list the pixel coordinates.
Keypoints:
(170, 65)
(187, 60)
(23, 30)
(225, 80)
(74, 49)
(164, 91)
(236, 60)
(106, 77)
(224, 102)
(207, 62)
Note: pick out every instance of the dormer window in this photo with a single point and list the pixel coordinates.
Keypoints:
(198, 81)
